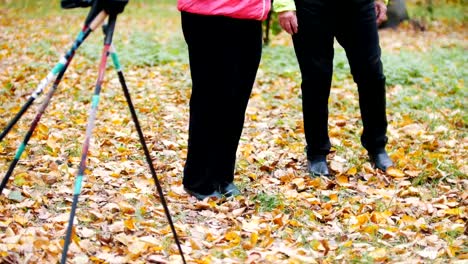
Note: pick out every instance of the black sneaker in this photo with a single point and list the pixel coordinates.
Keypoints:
(380, 160)
(230, 190)
(317, 165)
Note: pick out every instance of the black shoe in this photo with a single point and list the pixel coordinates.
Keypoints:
(230, 190)
(317, 165)
(380, 160)
(202, 197)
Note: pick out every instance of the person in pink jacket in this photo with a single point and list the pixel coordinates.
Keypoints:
(224, 39)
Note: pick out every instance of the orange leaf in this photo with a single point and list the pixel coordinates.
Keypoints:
(130, 224)
(126, 208)
(342, 179)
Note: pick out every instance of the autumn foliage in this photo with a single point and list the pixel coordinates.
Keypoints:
(415, 213)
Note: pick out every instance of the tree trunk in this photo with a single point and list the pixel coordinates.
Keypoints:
(396, 14)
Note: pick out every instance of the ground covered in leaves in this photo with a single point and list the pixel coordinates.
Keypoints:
(416, 213)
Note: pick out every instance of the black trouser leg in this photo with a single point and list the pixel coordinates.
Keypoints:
(314, 50)
(224, 57)
(356, 31)
(243, 67)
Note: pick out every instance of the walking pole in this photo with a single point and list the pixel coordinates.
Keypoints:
(58, 70)
(89, 129)
(92, 26)
(115, 60)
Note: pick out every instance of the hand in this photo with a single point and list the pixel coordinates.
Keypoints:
(114, 6)
(288, 21)
(381, 12)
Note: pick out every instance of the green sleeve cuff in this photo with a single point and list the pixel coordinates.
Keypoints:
(284, 5)
(289, 5)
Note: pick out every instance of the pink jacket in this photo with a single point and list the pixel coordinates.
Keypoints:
(243, 9)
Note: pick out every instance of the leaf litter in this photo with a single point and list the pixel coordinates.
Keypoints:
(413, 214)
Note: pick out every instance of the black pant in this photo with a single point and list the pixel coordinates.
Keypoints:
(353, 23)
(224, 57)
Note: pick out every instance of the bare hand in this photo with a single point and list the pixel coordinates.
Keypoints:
(288, 21)
(381, 12)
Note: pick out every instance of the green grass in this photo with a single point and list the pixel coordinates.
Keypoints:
(268, 202)
(447, 11)
(436, 77)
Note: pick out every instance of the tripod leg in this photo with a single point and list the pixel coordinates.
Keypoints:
(58, 70)
(28, 135)
(117, 66)
(89, 130)
(94, 24)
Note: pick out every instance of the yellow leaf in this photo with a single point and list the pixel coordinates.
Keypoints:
(41, 131)
(371, 229)
(41, 243)
(348, 243)
(209, 237)
(252, 243)
(352, 171)
(233, 237)
(194, 245)
(316, 182)
(294, 223)
(254, 238)
(407, 219)
(379, 254)
(395, 173)
(205, 260)
(117, 121)
(252, 176)
(317, 246)
(453, 211)
(20, 220)
(380, 217)
(452, 251)
(363, 219)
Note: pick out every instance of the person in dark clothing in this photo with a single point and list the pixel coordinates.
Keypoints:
(224, 44)
(314, 24)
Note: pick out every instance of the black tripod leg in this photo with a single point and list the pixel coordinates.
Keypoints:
(117, 66)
